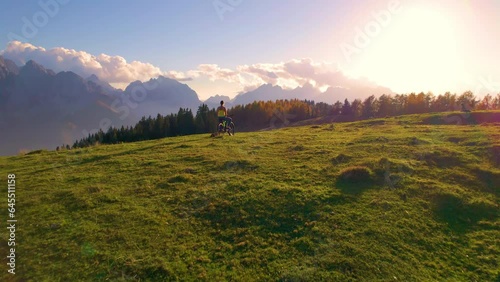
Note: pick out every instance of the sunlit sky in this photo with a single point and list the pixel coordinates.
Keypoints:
(227, 46)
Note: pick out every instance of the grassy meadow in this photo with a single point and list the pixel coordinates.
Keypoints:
(394, 199)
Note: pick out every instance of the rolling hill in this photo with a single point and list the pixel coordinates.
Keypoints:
(395, 199)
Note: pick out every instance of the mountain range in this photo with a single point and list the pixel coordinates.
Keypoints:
(43, 109)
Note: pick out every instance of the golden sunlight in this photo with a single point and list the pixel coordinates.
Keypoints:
(417, 51)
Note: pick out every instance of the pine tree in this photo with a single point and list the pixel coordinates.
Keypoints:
(346, 108)
(368, 110)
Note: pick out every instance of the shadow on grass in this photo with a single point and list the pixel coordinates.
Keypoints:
(70, 201)
(275, 212)
(355, 180)
(494, 153)
(461, 215)
(490, 179)
(442, 158)
(353, 189)
(239, 165)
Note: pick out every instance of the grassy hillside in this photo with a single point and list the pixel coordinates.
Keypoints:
(380, 200)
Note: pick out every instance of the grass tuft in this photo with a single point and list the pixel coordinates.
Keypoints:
(297, 148)
(179, 179)
(37, 152)
(341, 158)
(356, 174)
(355, 180)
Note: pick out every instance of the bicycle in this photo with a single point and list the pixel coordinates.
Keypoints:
(223, 128)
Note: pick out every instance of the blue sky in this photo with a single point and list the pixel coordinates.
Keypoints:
(179, 36)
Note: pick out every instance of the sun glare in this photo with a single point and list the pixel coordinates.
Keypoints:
(417, 51)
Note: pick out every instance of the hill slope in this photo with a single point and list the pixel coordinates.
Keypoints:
(387, 199)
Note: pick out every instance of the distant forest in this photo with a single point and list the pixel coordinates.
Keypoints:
(261, 115)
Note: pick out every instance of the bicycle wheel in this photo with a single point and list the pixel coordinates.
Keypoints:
(231, 128)
(220, 128)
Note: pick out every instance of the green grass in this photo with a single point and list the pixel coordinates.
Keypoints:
(379, 200)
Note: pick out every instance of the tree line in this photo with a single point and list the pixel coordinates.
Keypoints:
(184, 122)
(259, 115)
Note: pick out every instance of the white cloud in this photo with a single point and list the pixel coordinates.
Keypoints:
(289, 75)
(180, 76)
(113, 69)
(214, 72)
(117, 71)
